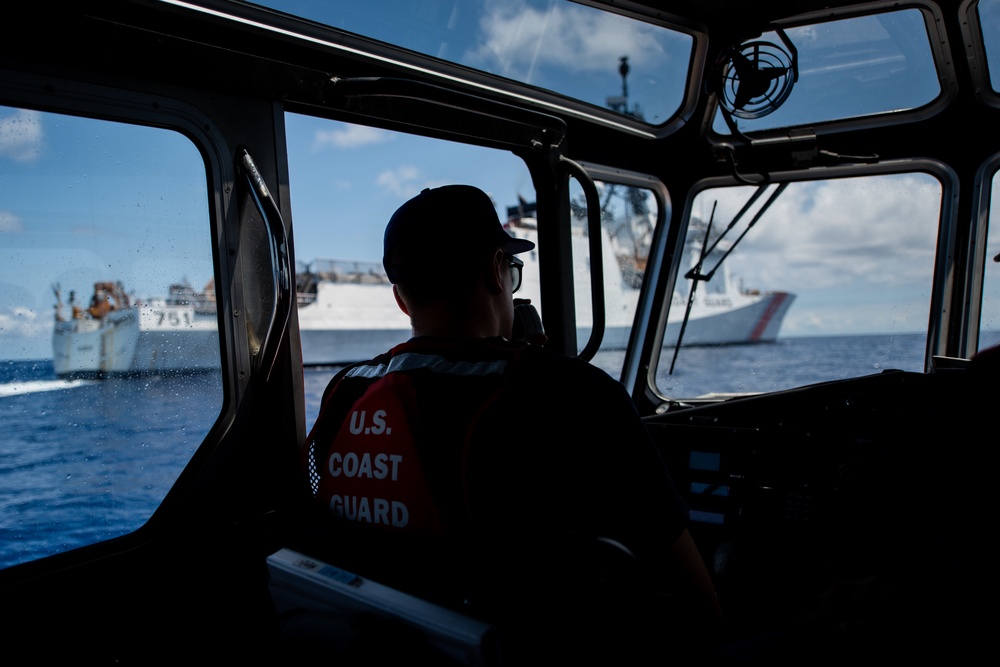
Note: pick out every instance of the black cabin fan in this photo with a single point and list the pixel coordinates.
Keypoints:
(756, 77)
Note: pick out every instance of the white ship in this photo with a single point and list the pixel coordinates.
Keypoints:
(115, 335)
(347, 312)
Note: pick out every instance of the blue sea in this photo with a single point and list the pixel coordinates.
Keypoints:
(85, 461)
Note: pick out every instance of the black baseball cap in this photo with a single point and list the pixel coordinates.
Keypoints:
(443, 226)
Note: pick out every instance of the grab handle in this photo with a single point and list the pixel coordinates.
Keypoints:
(280, 263)
(596, 255)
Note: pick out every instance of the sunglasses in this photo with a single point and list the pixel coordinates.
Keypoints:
(515, 273)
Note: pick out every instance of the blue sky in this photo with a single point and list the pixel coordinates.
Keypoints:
(346, 181)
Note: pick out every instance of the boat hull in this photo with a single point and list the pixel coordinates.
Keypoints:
(176, 339)
(346, 322)
(142, 340)
(755, 322)
(90, 348)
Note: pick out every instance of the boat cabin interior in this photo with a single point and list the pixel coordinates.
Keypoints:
(770, 221)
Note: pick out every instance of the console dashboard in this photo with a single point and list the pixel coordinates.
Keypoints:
(792, 494)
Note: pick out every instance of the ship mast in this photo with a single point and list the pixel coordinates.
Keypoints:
(619, 103)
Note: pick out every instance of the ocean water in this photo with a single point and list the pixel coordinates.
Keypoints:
(85, 461)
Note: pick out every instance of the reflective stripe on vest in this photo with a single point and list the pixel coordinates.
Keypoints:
(410, 361)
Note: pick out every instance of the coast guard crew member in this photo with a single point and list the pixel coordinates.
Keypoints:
(476, 471)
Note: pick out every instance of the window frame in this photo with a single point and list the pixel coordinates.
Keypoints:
(942, 307)
(980, 263)
(103, 102)
(940, 52)
(975, 51)
(643, 325)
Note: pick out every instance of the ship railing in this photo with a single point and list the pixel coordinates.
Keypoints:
(367, 272)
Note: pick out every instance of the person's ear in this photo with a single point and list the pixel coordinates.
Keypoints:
(399, 300)
(498, 270)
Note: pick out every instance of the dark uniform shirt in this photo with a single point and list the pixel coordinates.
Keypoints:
(451, 462)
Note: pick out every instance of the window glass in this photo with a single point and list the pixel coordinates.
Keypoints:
(346, 182)
(846, 69)
(109, 347)
(989, 23)
(816, 281)
(989, 325)
(562, 46)
(629, 216)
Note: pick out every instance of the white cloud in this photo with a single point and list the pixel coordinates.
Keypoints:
(22, 321)
(403, 181)
(879, 230)
(517, 39)
(25, 334)
(349, 136)
(21, 135)
(10, 223)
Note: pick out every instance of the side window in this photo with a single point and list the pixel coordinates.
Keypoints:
(346, 182)
(629, 216)
(989, 15)
(110, 373)
(788, 285)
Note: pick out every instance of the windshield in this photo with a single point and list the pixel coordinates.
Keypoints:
(802, 282)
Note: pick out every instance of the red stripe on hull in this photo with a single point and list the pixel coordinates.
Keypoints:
(772, 307)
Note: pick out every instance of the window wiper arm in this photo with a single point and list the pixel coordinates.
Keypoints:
(695, 274)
